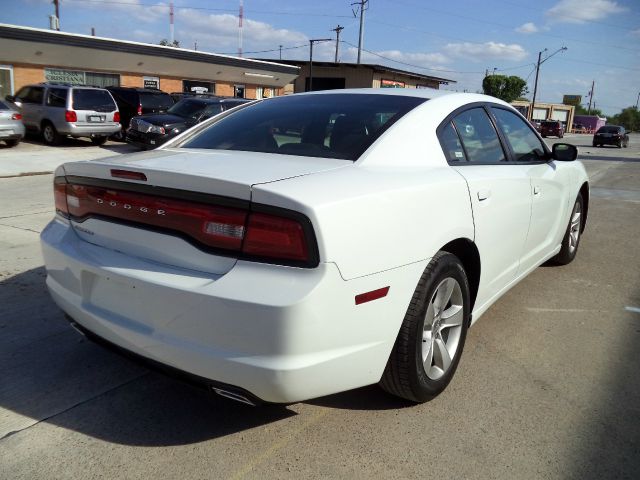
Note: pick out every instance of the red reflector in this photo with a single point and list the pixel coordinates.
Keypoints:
(275, 237)
(116, 117)
(70, 116)
(60, 196)
(372, 295)
(129, 175)
(16, 116)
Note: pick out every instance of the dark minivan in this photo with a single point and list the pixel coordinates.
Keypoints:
(133, 101)
(152, 130)
(611, 135)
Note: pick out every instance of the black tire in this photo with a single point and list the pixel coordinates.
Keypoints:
(50, 134)
(405, 375)
(13, 142)
(625, 145)
(619, 144)
(98, 140)
(544, 136)
(569, 248)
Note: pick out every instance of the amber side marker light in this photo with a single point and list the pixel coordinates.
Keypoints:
(372, 295)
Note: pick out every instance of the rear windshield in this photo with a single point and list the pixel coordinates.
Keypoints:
(187, 108)
(338, 125)
(550, 124)
(93, 99)
(156, 100)
(609, 129)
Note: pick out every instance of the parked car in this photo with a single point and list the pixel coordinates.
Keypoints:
(133, 101)
(552, 129)
(579, 128)
(611, 135)
(11, 127)
(152, 130)
(281, 269)
(177, 96)
(56, 110)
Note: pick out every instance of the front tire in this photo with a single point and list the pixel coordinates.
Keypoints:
(571, 240)
(431, 339)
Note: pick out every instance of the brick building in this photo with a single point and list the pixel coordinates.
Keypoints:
(31, 55)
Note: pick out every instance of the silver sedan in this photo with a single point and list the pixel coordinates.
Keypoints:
(11, 127)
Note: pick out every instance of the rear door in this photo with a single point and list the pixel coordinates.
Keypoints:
(500, 194)
(31, 100)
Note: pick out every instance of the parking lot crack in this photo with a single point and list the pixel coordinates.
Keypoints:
(27, 214)
(90, 399)
(20, 228)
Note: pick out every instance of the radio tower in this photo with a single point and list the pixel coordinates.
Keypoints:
(171, 39)
(240, 17)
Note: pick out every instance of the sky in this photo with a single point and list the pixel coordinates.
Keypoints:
(456, 39)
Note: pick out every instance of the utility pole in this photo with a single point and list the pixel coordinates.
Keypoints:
(280, 52)
(311, 42)
(638, 101)
(338, 29)
(57, 5)
(593, 84)
(535, 85)
(363, 6)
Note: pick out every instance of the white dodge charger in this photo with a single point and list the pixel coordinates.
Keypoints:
(310, 244)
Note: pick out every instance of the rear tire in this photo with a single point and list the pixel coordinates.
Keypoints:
(572, 236)
(431, 339)
(13, 142)
(50, 134)
(98, 140)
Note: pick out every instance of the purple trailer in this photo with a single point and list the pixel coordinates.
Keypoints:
(591, 123)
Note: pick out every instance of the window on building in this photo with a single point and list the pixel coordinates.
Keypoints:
(102, 79)
(238, 91)
(196, 86)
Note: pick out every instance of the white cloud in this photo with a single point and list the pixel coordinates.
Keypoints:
(581, 11)
(527, 28)
(478, 52)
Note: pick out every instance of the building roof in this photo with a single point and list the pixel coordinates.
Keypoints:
(373, 66)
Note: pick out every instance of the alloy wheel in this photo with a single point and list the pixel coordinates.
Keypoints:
(574, 229)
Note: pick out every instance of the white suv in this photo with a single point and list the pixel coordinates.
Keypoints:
(56, 110)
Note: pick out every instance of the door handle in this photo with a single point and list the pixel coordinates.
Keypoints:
(483, 194)
(536, 189)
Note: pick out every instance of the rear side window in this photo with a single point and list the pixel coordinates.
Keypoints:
(34, 95)
(524, 143)
(93, 99)
(478, 136)
(321, 125)
(57, 97)
(451, 145)
(156, 100)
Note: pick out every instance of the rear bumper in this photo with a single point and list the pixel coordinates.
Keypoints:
(88, 130)
(282, 334)
(608, 140)
(11, 132)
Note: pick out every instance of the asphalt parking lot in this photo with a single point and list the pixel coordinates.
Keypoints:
(548, 385)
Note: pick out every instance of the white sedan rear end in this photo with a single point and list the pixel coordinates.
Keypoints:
(306, 245)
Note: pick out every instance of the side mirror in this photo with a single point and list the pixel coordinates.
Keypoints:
(10, 98)
(564, 152)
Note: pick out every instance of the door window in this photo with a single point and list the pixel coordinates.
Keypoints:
(451, 145)
(525, 144)
(478, 136)
(34, 95)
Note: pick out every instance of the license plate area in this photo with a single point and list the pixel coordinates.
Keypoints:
(96, 118)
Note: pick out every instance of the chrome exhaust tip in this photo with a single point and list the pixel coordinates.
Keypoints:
(233, 396)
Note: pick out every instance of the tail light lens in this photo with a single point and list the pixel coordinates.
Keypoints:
(70, 116)
(139, 112)
(252, 235)
(116, 117)
(16, 116)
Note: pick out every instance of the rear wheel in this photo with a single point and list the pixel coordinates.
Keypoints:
(571, 239)
(50, 134)
(98, 140)
(431, 339)
(13, 142)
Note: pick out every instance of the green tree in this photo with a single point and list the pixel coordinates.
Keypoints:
(580, 110)
(504, 88)
(629, 118)
(166, 43)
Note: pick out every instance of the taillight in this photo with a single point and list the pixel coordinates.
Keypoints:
(272, 236)
(139, 109)
(116, 117)
(16, 116)
(236, 230)
(70, 116)
(60, 195)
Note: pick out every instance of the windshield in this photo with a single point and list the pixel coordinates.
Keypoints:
(187, 108)
(156, 100)
(337, 125)
(93, 99)
(609, 129)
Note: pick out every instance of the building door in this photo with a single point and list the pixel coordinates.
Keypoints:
(238, 91)
(6, 81)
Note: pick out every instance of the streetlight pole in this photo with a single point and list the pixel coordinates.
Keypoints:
(638, 101)
(535, 86)
(311, 42)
